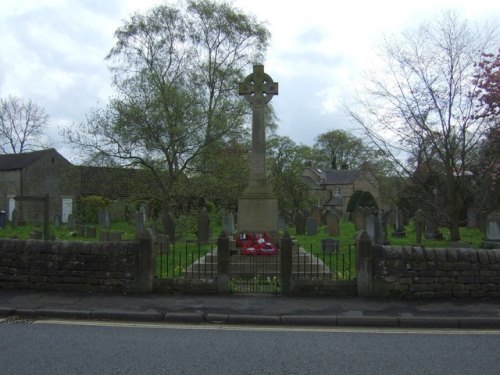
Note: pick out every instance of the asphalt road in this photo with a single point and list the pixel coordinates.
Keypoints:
(119, 348)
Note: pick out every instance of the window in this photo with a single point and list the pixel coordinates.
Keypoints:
(337, 192)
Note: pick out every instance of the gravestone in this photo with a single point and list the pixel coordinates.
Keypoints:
(418, 220)
(399, 224)
(431, 229)
(104, 219)
(80, 230)
(228, 223)
(473, 217)
(306, 212)
(371, 227)
(316, 213)
(90, 232)
(330, 245)
(169, 225)
(203, 232)
(57, 220)
(493, 230)
(359, 218)
(300, 223)
(381, 229)
(311, 226)
(281, 223)
(139, 223)
(332, 223)
(71, 221)
(258, 206)
(14, 219)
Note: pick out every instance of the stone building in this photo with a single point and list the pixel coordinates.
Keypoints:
(333, 188)
(36, 174)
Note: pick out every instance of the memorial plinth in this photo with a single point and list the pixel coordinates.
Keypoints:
(258, 206)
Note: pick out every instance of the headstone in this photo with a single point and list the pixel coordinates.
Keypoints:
(431, 229)
(228, 223)
(330, 245)
(419, 225)
(399, 223)
(36, 235)
(80, 230)
(281, 223)
(316, 213)
(332, 223)
(14, 219)
(258, 206)
(306, 212)
(139, 223)
(359, 218)
(473, 217)
(104, 235)
(370, 227)
(104, 218)
(203, 226)
(311, 226)
(300, 223)
(90, 232)
(115, 236)
(57, 220)
(493, 230)
(71, 222)
(381, 229)
(169, 225)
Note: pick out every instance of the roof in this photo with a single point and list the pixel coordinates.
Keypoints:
(341, 177)
(12, 162)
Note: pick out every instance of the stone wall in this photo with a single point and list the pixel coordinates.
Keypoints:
(415, 272)
(76, 266)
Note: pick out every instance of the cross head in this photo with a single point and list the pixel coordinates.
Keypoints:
(258, 87)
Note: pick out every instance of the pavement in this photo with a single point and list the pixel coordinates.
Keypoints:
(256, 309)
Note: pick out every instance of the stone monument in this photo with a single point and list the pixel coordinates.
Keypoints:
(258, 206)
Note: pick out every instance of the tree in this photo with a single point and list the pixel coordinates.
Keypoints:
(176, 72)
(286, 162)
(22, 123)
(338, 149)
(488, 86)
(421, 108)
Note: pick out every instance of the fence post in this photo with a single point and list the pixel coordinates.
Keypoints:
(286, 264)
(223, 255)
(364, 266)
(146, 265)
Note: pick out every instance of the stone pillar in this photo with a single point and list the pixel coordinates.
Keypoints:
(223, 259)
(145, 266)
(286, 264)
(364, 265)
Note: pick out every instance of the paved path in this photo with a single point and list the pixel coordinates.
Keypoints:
(254, 309)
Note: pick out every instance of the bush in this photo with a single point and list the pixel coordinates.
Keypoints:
(90, 207)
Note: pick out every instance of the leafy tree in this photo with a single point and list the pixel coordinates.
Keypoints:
(22, 123)
(421, 108)
(285, 167)
(488, 86)
(337, 149)
(176, 71)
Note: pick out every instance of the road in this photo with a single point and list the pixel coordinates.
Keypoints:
(52, 347)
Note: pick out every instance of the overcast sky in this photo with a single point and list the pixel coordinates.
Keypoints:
(52, 51)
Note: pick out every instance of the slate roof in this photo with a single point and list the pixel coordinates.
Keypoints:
(12, 162)
(340, 177)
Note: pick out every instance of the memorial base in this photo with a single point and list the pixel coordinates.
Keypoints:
(258, 215)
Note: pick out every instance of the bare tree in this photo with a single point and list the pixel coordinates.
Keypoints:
(420, 111)
(22, 123)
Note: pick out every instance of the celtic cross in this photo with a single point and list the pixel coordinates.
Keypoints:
(258, 88)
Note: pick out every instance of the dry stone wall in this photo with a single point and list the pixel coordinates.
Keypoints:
(416, 272)
(75, 266)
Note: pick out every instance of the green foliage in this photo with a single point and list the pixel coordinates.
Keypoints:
(90, 207)
(361, 198)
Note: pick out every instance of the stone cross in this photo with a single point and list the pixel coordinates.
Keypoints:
(258, 88)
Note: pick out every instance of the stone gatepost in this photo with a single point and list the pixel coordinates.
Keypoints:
(364, 265)
(258, 206)
(223, 260)
(286, 264)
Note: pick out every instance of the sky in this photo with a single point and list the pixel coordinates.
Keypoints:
(52, 52)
